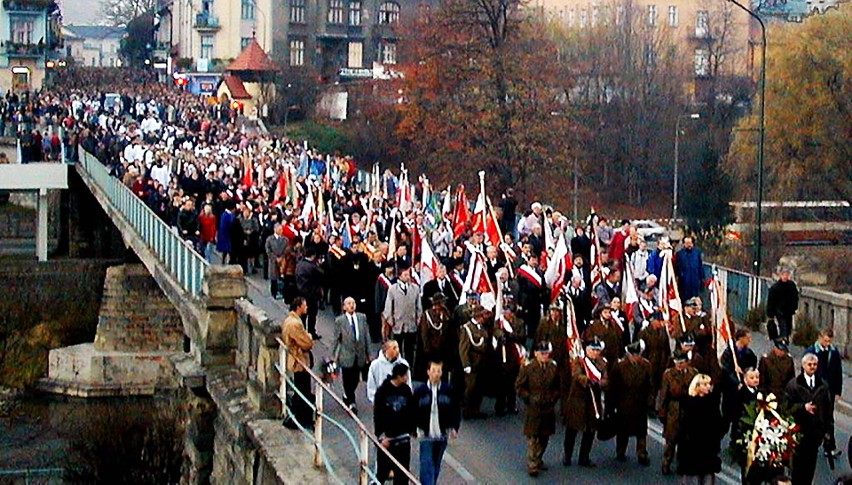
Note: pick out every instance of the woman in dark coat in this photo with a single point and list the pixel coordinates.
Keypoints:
(701, 434)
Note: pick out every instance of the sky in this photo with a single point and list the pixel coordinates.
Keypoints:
(80, 12)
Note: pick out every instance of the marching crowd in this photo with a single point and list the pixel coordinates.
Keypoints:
(466, 305)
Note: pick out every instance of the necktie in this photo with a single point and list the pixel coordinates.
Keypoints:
(354, 326)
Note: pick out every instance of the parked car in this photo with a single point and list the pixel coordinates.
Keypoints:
(650, 230)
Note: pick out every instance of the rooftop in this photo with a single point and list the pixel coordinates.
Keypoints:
(253, 58)
(95, 31)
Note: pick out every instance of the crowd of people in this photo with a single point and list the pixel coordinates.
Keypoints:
(459, 312)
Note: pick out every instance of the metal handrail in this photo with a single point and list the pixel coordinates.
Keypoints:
(366, 436)
(179, 257)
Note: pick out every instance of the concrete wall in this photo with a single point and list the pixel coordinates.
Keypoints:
(829, 310)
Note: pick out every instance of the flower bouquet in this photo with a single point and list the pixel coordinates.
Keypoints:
(767, 440)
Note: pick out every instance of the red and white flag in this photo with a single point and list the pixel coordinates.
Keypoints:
(461, 216)
(527, 271)
(719, 309)
(483, 217)
(595, 265)
(558, 266)
(309, 210)
(428, 262)
(476, 280)
(629, 295)
(669, 294)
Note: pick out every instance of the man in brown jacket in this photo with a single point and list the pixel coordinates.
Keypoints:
(776, 369)
(629, 388)
(607, 330)
(583, 408)
(299, 344)
(675, 387)
(474, 340)
(538, 386)
(657, 351)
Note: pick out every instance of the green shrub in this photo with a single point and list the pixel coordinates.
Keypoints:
(806, 331)
(325, 138)
(755, 318)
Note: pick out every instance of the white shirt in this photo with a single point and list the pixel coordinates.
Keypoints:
(434, 424)
(353, 322)
(810, 381)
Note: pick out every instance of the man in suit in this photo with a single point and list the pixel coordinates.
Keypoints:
(443, 284)
(830, 370)
(350, 349)
(402, 313)
(809, 401)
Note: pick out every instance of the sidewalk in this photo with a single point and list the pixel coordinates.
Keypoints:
(761, 344)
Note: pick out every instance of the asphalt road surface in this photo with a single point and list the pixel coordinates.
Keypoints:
(493, 450)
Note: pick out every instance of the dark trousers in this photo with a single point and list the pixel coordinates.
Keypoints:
(506, 395)
(407, 341)
(805, 459)
(431, 455)
(302, 412)
(401, 450)
(351, 378)
(621, 441)
(785, 325)
(311, 321)
(276, 288)
(585, 444)
(374, 323)
(472, 394)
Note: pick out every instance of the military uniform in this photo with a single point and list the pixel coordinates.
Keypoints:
(702, 330)
(657, 351)
(556, 333)
(583, 408)
(629, 388)
(510, 339)
(611, 334)
(775, 372)
(473, 345)
(538, 386)
(434, 339)
(674, 388)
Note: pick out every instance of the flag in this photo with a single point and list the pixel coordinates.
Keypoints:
(476, 280)
(447, 208)
(719, 310)
(595, 265)
(558, 266)
(669, 295)
(392, 238)
(428, 262)
(461, 216)
(575, 346)
(483, 216)
(281, 186)
(248, 169)
(629, 296)
(346, 231)
(309, 210)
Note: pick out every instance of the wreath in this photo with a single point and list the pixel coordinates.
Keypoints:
(766, 439)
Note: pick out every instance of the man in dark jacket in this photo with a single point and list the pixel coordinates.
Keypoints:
(733, 362)
(394, 423)
(309, 278)
(438, 417)
(809, 401)
(782, 303)
(689, 269)
(830, 370)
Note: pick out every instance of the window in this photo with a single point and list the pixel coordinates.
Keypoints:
(355, 13)
(297, 11)
(652, 15)
(297, 52)
(702, 62)
(22, 31)
(389, 13)
(206, 47)
(572, 17)
(356, 55)
(619, 14)
(335, 11)
(650, 55)
(596, 10)
(387, 53)
(247, 10)
(584, 18)
(672, 16)
(244, 42)
(702, 24)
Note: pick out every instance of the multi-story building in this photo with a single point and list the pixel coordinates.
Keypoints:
(93, 45)
(340, 39)
(29, 37)
(713, 37)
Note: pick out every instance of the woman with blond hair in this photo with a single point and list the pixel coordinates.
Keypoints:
(700, 434)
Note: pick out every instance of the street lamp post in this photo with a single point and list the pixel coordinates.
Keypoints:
(758, 236)
(693, 116)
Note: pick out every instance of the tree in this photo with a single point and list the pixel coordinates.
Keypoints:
(808, 113)
(479, 91)
(138, 41)
(706, 197)
(121, 12)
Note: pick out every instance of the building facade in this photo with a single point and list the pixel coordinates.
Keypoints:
(339, 39)
(29, 38)
(93, 45)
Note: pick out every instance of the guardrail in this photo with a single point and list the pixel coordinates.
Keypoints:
(178, 256)
(361, 448)
(31, 475)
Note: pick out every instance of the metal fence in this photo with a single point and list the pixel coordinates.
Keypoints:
(744, 291)
(366, 438)
(176, 255)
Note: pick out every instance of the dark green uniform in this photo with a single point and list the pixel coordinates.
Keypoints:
(675, 387)
(474, 342)
(538, 386)
(657, 351)
(629, 388)
(775, 372)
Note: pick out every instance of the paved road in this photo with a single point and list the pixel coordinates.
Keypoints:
(492, 451)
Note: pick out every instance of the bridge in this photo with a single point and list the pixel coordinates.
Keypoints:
(170, 319)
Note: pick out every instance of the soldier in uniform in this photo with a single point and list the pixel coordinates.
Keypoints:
(552, 328)
(538, 386)
(510, 341)
(474, 341)
(776, 369)
(629, 391)
(583, 407)
(607, 330)
(434, 336)
(703, 364)
(698, 323)
(675, 387)
(657, 351)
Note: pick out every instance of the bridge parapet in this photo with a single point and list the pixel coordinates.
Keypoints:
(257, 353)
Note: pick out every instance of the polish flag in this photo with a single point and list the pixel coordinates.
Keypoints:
(461, 216)
(629, 296)
(281, 186)
(669, 295)
(483, 217)
(428, 262)
(719, 309)
(309, 210)
(248, 169)
(558, 266)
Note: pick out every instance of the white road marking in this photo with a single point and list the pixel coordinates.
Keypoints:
(459, 468)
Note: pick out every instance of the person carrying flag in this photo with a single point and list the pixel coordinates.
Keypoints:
(582, 408)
